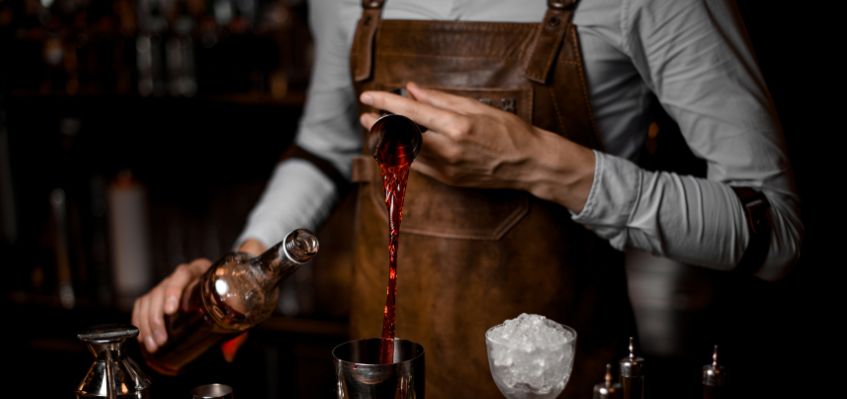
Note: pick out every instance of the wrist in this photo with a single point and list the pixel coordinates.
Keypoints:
(563, 172)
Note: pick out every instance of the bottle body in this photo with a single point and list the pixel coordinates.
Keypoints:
(235, 294)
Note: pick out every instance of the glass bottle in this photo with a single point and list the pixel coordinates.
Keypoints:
(235, 294)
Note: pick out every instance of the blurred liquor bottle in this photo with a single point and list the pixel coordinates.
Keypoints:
(132, 272)
(149, 52)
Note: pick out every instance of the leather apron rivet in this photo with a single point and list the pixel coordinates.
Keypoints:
(558, 4)
(553, 22)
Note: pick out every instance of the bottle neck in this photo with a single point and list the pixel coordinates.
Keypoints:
(276, 264)
(282, 259)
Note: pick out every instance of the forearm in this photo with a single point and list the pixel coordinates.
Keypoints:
(634, 208)
(298, 195)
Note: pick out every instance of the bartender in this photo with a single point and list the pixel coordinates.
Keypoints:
(528, 184)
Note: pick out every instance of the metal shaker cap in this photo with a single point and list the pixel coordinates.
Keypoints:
(212, 391)
(108, 333)
(632, 366)
(112, 374)
(714, 374)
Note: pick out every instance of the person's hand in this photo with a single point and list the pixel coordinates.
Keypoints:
(470, 144)
(149, 310)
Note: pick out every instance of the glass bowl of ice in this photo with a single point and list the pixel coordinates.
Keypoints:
(530, 356)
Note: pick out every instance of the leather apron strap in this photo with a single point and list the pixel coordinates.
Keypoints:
(548, 39)
(537, 65)
(364, 38)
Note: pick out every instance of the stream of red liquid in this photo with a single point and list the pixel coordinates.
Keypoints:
(394, 180)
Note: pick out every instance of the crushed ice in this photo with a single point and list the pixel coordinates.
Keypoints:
(530, 353)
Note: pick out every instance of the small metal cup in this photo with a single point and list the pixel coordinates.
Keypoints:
(212, 391)
(360, 374)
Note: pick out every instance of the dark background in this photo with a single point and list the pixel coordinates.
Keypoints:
(203, 160)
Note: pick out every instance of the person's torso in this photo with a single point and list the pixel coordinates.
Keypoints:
(470, 258)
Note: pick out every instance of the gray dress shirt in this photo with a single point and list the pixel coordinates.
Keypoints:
(692, 54)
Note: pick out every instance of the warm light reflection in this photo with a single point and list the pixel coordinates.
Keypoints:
(221, 287)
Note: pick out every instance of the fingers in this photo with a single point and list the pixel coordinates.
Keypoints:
(439, 146)
(156, 317)
(368, 119)
(136, 309)
(145, 332)
(443, 100)
(175, 284)
(149, 310)
(431, 117)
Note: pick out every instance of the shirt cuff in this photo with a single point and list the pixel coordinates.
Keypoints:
(613, 195)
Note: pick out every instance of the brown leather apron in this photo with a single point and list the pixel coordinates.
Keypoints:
(471, 258)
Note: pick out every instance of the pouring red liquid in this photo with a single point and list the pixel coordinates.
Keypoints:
(395, 141)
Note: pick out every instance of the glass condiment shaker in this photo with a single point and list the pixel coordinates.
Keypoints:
(113, 375)
(632, 374)
(607, 389)
(714, 376)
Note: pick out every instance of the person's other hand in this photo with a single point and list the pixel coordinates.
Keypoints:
(470, 144)
(149, 310)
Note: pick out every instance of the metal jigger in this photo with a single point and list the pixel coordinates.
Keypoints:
(113, 375)
(713, 378)
(632, 374)
(360, 375)
(606, 389)
(395, 140)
